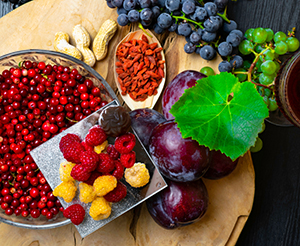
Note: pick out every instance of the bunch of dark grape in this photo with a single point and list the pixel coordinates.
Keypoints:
(204, 24)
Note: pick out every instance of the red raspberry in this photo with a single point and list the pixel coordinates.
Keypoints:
(125, 143)
(80, 173)
(128, 159)
(113, 153)
(106, 163)
(117, 194)
(96, 136)
(75, 213)
(72, 152)
(68, 139)
(119, 170)
(92, 178)
(89, 159)
(87, 147)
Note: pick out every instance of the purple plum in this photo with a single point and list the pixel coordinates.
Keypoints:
(176, 158)
(180, 204)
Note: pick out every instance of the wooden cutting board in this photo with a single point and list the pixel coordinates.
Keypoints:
(32, 26)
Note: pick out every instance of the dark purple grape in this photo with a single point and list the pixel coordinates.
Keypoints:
(189, 48)
(110, 5)
(211, 8)
(176, 87)
(146, 15)
(173, 27)
(200, 13)
(225, 49)
(143, 122)
(228, 27)
(121, 11)
(236, 61)
(220, 166)
(117, 3)
(221, 4)
(184, 29)
(133, 15)
(172, 5)
(188, 7)
(158, 29)
(212, 24)
(207, 52)
(177, 158)
(179, 204)
(144, 3)
(208, 36)
(164, 20)
(129, 4)
(225, 66)
(122, 20)
(156, 11)
(234, 39)
(195, 38)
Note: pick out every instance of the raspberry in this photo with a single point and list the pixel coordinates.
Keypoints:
(113, 153)
(89, 159)
(87, 147)
(92, 178)
(66, 190)
(75, 213)
(99, 148)
(72, 152)
(68, 139)
(128, 159)
(119, 170)
(104, 184)
(96, 136)
(65, 171)
(125, 143)
(100, 209)
(80, 173)
(117, 194)
(86, 193)
(138, 175)
(106, 164)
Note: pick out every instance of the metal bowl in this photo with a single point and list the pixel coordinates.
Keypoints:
(53, 58)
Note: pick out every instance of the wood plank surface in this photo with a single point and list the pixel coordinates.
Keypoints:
(32, 26)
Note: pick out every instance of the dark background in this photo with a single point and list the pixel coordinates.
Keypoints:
(274, 219)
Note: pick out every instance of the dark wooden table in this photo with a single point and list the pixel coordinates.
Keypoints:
(275, 216)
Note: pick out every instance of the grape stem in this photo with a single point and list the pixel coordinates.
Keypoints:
(186, 19)
(224, 15)
(143, 29)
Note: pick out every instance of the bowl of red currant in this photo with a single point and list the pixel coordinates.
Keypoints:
(42, 94)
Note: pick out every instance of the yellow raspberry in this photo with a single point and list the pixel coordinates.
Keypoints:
(100, 209)
(87, 193)
(66, 190)
(138, 175)
(65, 169)
(99, 148)
(104, 184)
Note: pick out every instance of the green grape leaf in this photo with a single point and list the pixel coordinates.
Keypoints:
(221, 113)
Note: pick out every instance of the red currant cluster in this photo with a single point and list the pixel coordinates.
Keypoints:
(37, 101)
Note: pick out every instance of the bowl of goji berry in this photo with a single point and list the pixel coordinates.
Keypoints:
(140, 69)
(42, 94)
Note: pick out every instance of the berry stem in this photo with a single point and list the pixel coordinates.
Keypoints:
(148, 34)
(224, 15)
(186, 19)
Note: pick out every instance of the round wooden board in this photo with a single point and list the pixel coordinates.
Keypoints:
(32, 26)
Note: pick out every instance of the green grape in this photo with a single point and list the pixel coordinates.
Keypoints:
(267, 55)
(272, 104)
(265, 79)
(249, 34)
(277, 66)
(293, 44)
(207, 71)
(246, 64)
(260, 35)
(270, 34)
(258, 48)
(258, 66)
(266, 100)
(257, 145)
(281, 48)
(268, 67)
(279, 36)
(245, 47)
(267, 92)
(241, 77)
